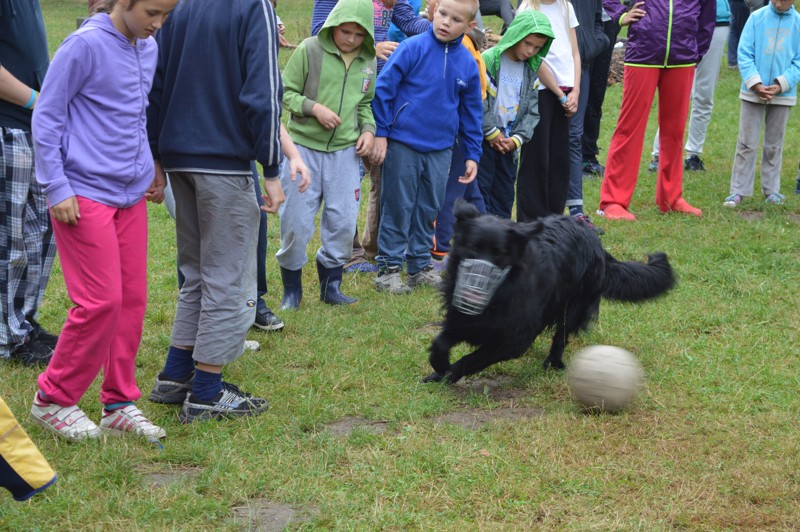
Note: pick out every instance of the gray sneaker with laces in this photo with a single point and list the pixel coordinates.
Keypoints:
(426, 277)
(229, 402)
(391, 281)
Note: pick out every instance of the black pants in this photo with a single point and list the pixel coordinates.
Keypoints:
(598, 81)
(543, 177)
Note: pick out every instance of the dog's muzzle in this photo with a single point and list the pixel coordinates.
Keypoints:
(476, 282)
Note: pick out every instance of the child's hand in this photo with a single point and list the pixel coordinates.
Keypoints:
(155, 192)
(765, 92)
(273, 195)
(634, 14)
(364, 144)
(497, 143)
(469, 175)
(298, 166)
(431, 9)
(378, 150)
(327, 118)
(67, 211)
(384, 49)
(509, 145)
(571, 105)
(281, 28)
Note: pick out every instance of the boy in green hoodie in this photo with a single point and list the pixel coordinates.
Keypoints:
(333, 127)
(510, 110)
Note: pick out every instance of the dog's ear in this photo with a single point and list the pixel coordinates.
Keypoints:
(464, 210)
(521, 235)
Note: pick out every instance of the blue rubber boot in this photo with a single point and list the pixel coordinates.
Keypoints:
(292, 288)
(330, 279)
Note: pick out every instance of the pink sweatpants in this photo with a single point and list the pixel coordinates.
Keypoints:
(104, 260)
(625, 152)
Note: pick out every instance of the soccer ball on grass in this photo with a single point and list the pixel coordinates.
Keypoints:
(604, 378)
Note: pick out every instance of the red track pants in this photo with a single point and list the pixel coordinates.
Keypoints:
(625, 153)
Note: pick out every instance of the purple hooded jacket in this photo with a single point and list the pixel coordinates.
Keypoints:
(89, 122)
(672, 33)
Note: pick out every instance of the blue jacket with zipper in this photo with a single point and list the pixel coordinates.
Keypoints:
(428, 93)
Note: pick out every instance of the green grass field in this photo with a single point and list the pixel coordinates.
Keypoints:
(353, 440)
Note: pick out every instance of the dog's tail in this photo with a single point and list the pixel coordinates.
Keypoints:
(637, 281)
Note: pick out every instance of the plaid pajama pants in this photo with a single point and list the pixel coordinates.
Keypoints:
(27, 246)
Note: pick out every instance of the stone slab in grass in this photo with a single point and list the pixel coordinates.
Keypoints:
(346, 426)
(263, 515)
(171, 474)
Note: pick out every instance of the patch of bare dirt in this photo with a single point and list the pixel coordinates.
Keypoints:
(263, 515)
(432, 328)
(794, 218)
(173, 474)
(751, 216)
(346, 425)
(475, 419)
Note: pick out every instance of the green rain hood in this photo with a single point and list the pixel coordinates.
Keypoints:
(346, 91)
(525, 23)
(359, 11)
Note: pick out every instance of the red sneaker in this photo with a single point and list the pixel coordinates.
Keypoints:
(614, 211)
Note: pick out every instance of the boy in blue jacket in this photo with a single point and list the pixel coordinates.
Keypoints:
(428, 93)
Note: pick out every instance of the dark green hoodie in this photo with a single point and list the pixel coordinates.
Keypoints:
(346, 91)
(525, 23)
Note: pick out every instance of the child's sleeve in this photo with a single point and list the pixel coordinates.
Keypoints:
(261, 89)
(746, 55)
(386, 89)
(68, 71)
(366, 120)
(294, 81)
(409, 22)
(470, 112)
(705, 26)
(791, 76)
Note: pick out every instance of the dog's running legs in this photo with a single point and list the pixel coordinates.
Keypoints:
(440, 357)
(482, 358)
(553, 360)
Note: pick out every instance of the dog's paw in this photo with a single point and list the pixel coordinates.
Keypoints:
(553, 364)
(433, 377)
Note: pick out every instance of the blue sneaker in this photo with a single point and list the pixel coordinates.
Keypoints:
(362, 267)
(775, 199)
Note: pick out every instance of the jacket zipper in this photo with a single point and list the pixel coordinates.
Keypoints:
(669, 33)
(446, 48)
(341, 99)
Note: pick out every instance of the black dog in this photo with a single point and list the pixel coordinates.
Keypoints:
(557, 271)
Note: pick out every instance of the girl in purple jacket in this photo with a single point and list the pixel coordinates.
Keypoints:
(94, 161)
(666, 39)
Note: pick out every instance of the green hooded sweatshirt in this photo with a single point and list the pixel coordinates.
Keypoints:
(346, 91)
(525, 23)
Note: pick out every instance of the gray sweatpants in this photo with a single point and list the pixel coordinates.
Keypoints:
(743, 174)
(216, 222)
(336, 185)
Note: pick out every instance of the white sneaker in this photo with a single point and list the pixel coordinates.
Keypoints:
(68, 422)
(130, 420)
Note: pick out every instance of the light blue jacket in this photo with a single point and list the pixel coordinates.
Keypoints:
(769, 53)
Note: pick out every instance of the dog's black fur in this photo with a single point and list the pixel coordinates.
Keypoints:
(559, 272)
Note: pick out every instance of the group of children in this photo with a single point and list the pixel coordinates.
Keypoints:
(437, 106)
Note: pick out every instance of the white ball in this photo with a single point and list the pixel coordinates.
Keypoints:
(604, 378)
